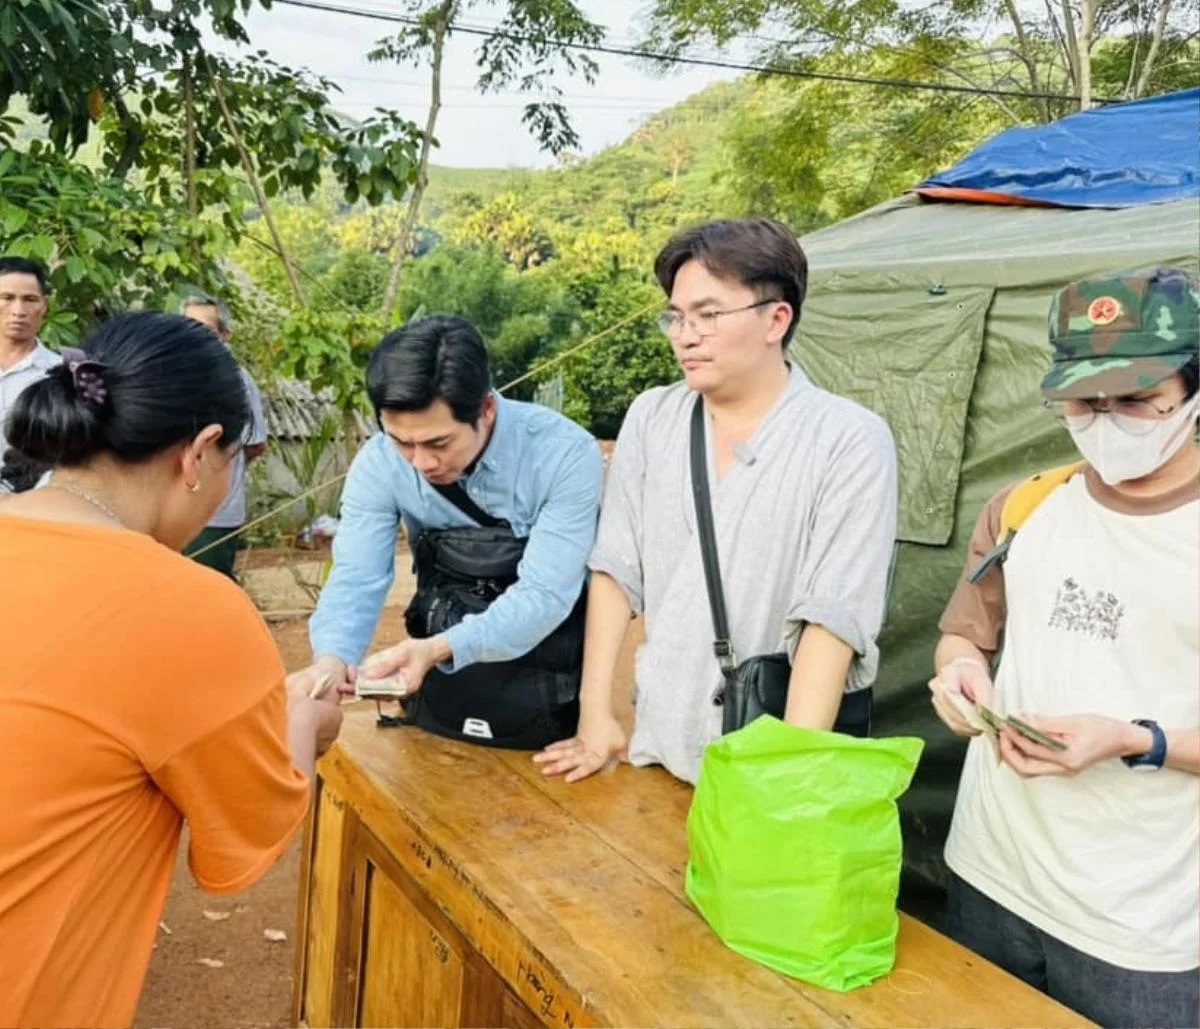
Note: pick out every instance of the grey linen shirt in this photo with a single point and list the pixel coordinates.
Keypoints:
(805, 519)
(232, 512)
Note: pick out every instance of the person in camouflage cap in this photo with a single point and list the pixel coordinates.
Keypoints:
(1115, 335)
(1067, 867)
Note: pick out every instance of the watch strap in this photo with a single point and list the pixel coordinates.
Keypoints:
(1156, 756)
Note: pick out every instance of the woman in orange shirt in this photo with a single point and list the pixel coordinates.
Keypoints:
(139, 689)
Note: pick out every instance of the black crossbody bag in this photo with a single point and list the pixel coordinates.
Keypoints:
(759, 685)
(523, 704)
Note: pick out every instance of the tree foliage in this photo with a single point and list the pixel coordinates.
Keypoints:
(603, 381)
(1039, 48)
(107, 247)
(532, 49)
(138, 69)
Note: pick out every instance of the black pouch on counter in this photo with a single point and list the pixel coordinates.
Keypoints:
(523, 704)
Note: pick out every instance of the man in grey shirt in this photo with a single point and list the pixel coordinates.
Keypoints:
(215, 547)
(803, 486)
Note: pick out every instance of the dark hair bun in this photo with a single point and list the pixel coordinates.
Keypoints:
(53, 423)
(146, 382)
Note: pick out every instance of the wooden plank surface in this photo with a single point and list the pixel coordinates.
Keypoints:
(412, 975)
(325, 900)
(574, 894)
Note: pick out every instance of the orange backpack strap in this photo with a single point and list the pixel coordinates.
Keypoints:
(1024, 499)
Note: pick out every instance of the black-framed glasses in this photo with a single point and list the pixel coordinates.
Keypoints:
(705, 323)
(1131, 416)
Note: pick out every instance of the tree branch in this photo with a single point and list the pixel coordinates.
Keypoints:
(1134, 55)
(1026, 56)
(1156, 39)
(970, 81)
(1064, 49)
(1071, 41)
(259, 197)
(1087, 25)
(131, 145)
(441, 26)
(189, 134)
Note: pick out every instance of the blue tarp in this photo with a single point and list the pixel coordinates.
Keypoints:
(1125, 155)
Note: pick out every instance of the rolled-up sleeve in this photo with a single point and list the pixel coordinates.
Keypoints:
(843, 575)
(618, 550)
(364, 559)
(551, 573)
(977, 610)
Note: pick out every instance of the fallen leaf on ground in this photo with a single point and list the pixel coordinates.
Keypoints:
(218, 916)
(165, 928)
(275, 935)
(210, 962)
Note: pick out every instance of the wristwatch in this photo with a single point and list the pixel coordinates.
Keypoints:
(1154, 758)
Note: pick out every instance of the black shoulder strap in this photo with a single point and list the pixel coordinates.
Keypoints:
(461, 499)
(722, 647)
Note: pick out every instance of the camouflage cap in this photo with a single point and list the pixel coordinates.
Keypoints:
(1122, 333)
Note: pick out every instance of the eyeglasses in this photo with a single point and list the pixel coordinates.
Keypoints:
(705, 323)
(1134, 417)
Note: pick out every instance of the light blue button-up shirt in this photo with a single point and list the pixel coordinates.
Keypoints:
(540, 472)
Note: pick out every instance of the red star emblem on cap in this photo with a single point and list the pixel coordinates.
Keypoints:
(1104, 310)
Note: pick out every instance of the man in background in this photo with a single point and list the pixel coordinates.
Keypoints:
(217, 546)
(24, 300)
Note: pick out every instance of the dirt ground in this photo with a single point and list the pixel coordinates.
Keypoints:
(252, 985)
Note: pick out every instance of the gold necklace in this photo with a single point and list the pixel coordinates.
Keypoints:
(82, 494)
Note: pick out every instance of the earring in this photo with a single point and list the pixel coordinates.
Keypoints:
(194, 487)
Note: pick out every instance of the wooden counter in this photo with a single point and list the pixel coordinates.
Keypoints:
(450, 885)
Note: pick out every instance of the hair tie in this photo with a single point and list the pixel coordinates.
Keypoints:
(86, 375)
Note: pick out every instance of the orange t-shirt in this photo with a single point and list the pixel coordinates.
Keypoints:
(137, 689)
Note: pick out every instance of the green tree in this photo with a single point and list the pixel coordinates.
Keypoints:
(816, 152)
(535, 40)
(602, 380)
(107, 247)
(1040, 48)
(308, 238)
(191, 128)
(139, 67)
(356, 280)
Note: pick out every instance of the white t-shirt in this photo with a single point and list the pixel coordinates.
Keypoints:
(1103, 617)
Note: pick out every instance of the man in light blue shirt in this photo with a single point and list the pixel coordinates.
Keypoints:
(443, 424)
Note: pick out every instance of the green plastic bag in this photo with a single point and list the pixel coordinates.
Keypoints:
(795, 849)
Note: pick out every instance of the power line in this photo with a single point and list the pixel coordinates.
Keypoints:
(702, 62)
(373, 80)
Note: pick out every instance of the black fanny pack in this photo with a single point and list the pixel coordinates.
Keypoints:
(523, 704)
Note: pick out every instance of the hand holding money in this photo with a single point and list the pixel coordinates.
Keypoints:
(399, 670)
(962, 696)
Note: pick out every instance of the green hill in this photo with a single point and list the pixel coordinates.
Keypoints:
(665, 172)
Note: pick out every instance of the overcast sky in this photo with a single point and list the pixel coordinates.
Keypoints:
(476, 130)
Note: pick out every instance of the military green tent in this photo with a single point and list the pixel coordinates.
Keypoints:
(933, 314)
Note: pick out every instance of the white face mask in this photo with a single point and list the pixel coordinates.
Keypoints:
(1119, 456)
